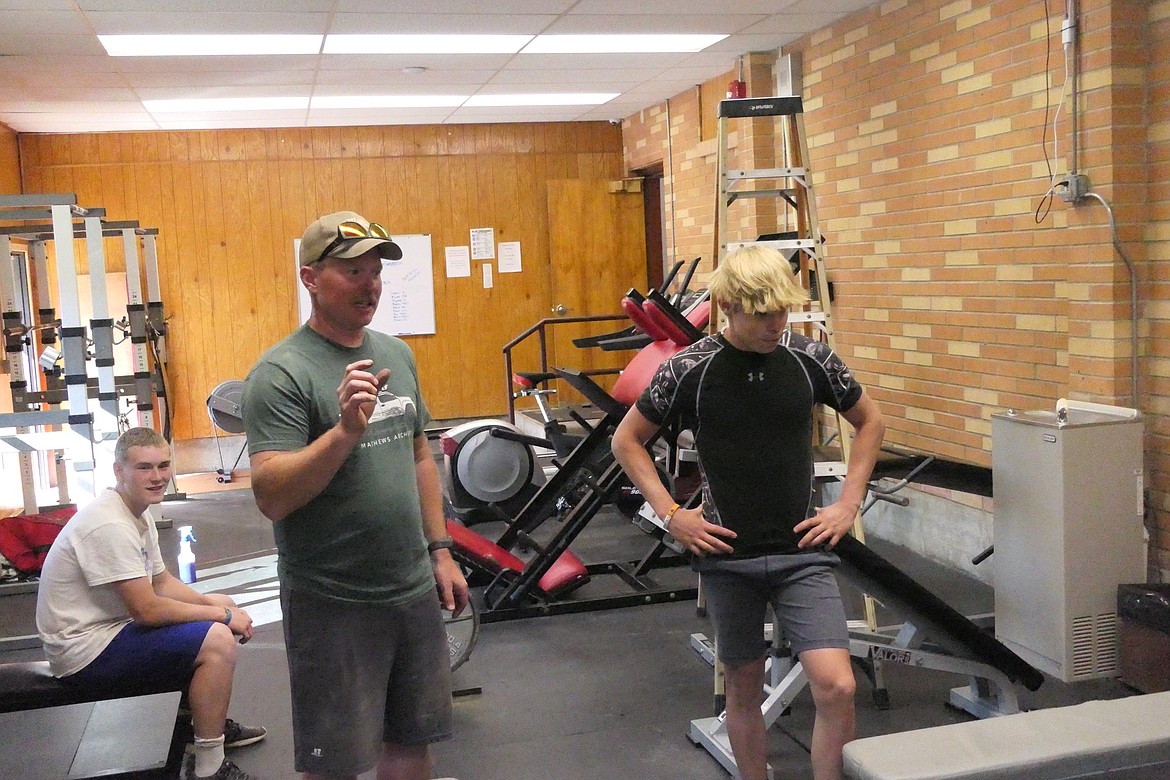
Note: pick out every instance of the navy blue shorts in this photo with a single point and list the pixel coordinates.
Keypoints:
(142, 659)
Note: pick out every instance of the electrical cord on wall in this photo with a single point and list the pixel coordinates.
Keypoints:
(1044, 207)
(1133, 297)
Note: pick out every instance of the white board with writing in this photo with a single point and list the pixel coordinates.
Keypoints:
(407, 306)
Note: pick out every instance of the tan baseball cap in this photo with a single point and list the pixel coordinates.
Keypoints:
(346, 234)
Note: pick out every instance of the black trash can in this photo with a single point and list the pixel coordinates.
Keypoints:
(1144, 620)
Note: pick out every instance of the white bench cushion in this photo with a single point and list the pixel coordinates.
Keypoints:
(1084, 740)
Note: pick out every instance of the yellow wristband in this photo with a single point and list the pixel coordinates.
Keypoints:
(669, 516)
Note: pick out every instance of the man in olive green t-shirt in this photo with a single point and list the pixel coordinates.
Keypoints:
(341, 465)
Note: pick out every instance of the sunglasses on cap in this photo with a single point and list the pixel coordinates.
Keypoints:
(353, 231)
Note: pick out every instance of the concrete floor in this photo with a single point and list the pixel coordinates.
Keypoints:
(600, 695)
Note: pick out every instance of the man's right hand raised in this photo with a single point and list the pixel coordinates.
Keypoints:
(357, 395)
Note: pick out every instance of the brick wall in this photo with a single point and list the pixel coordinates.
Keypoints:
(1155, 301)
(961, 289)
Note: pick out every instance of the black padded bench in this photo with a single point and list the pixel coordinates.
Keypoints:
(29, 685)
(98, 739)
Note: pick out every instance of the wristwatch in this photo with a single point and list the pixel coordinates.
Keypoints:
(446, 543)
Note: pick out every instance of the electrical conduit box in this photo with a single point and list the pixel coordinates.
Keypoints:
(1068, 489)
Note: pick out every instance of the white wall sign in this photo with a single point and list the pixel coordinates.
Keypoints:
(407, 306)
(458, 261)
(509, 261)
(483, 243)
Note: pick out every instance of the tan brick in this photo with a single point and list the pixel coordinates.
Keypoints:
(958, 72)
(952, 10)
(924, 52)
(964, 348)
(974, 18)
(883, 52)
(942, 153)
(920, 415)
(959, 227)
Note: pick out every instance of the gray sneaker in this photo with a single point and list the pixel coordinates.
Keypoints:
(227, 771)
(237, 735)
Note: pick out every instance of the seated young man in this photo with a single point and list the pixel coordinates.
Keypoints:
(114, 621)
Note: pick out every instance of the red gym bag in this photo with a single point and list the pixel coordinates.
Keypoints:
(25, 539)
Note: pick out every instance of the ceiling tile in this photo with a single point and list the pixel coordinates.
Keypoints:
(193, 23)
(679, 7)
(578, 24)
(495, 24)
(36, 5)
(42, 43)
(378, 116)
(43, 22)
(477, 7)
(52, 66)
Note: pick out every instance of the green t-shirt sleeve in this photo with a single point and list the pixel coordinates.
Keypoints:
(274, 411)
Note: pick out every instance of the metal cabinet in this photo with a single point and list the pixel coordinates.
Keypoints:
(1068, 488)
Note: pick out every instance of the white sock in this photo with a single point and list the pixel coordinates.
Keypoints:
(208, 756)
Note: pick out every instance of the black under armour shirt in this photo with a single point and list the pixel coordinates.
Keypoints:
(752, 416)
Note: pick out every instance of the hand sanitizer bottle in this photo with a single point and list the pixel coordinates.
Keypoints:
(186, 555)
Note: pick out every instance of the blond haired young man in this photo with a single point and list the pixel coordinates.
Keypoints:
(748, 393)
(113, 620)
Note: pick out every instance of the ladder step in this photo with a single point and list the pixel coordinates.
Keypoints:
(788, 195)
(787, 243)
(829, 468)
(767, 173)
(740, 108)
(807, 316)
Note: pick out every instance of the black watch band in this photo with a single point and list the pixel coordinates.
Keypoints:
(446, 543)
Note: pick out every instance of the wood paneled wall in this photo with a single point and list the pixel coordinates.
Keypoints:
(228, 205)
(9, 162)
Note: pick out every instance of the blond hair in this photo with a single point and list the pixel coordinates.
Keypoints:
(758, 279)
(137, 437)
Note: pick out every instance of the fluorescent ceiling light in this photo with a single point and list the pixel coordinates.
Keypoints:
(208, 45)
(614, 44)
(387, 101)
(198, 105)
(553, 99)
(424, 44)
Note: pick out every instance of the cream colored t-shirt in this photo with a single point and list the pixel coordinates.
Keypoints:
(79, 611)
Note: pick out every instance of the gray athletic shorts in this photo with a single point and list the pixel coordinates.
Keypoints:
(361, 675)
(803, 592)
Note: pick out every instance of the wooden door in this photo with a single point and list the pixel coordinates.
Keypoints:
(597, 251)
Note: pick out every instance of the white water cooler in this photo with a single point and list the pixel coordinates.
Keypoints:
(1068, 530)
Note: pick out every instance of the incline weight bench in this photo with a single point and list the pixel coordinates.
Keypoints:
(481, 554)
(636, 336)
(555, 570)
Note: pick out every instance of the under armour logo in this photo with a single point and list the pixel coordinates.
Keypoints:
(756, 377)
